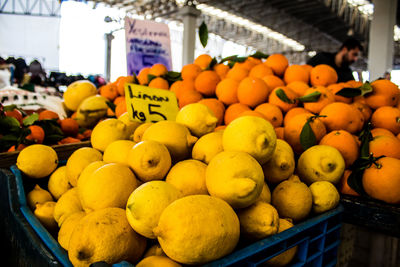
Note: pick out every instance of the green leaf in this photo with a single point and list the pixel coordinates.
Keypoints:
(212, 63)
(240, 59)
(9, 107)
(365, 137)
(30, 119)
(355, 181)
(9, 125)
(9, 138)
(313, 97)
(259, 55)
(282, 96)
(151, 77)
(54, 138)
(172, 76)
(307, 136)
(111, 105)
(366, 88)
(203, 34)
(230, 58)
(349, 92)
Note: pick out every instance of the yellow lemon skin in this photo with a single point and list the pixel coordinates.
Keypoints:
(252, 135)
(44, 212)
(258, 221)
(67, 204)
(108, 131)
(37, 161)
(87, 171)
(149, 160)
(198, 118)
(79, 160)
(198, 229)
(286, 257)
(146, 203)
(321, 163)
(208, 146)
(58, 182)
(265, 195)
(65, 232)
(105, 235)
(138, 134)
(131, 125)
(281, 166)
(235, 177)
(76, 92)
(91, 110)
(153, 261)
(325, 196)
(293, 199)
(117, 151)
(174, 136)
(189, 177)
(36, 196)
(154, 250)
(108, 186)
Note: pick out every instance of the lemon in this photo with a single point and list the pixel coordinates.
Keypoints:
(258, 221)
(198, 118)
(108, 186)
(321, 163)
(153, 261)
(292, 199)
(138, 133)
(108, 131)
(325, 196)
(88, 170)
(146, 203)
(58, 182)
(44, 212)
(250, 134)
(130, 124)
(149, 160)
(105, 235)
(65, 232)
(76, 92)
(265, 195)
(37, 161)
(37, 195)
(198, 229)
(189, 177)
(174, 136)
(66, 205)
(79, 160)
(91, 110)
(286, 257)
(281, 166)
(117, 151)
(235, 177)
(208, 146)
(154, 250)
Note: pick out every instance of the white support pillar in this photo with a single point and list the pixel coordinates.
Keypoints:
(189, 17)
(381, 46)
(107, 72)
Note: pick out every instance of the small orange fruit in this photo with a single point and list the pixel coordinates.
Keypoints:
(221, 70)
(278, 63)
(273, 81)
(216, 106)
(353, 84)
(226, 91)
(48, 115)
(37, 134)
(189, 97)
(159, 83)
(384, 145)
(295, 73)
(237, 73)
(206, 82)
(385, 93)
(325, 99)
(158, 69)
(120, 109)
(293, 112)
(119, 99)
(299, 87)
(387, 117)
(69, 127)
(143, 77)
(280, 133)
(323, 75)
(271, 112)
(233, 112)
(344, 188)
(364, 109)
(307, 68)
(181, 87)
(190, 71)
(339, 116)
(252, 113)
(252, 91)
(381, 131)
(336, 87)
(203, 61)
(120, 83)
(260, 71)
(274, 99)
(109, 91)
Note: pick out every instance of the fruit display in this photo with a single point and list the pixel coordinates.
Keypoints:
(258, 146)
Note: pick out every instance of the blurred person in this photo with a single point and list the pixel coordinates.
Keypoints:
(5, 74)
(37, 74)
(387, 75)
(21, 68)
(341, 60)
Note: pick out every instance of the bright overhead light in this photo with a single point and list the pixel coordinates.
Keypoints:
(396, 35)
(364, 6)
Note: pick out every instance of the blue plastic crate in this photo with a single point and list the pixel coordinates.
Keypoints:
(317, 239)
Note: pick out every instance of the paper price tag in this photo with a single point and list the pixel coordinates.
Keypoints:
(147, 104)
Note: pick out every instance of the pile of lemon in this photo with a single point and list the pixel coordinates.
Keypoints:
(178, 192)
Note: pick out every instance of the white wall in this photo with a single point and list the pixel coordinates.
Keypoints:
(30, 37)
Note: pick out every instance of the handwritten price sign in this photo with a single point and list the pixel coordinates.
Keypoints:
(147, 104)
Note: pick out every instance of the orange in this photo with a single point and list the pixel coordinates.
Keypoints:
(120, 109)
(274, 99)
(221, 70)
(254, 60)
(227, 91)
(68, 140)
(252, 91)
(260, 71)
(206, 82)
(384, 145)
(143, 77)
(69, 127)
(364, 109)
(336, 87)
(293, 128)
(345, 143)
(383, 181)
(387, 117)
(325, 99)
(278, 63)
(247, 64)
(87, 133)
(357, 140)
(37, 134)
(295, 73)
(323, 75)
(271, 112)
(109, 91)
(119, 99)
(158, 70)
(237, 73)
(48, 115)
(344, 188)
(73, 116)
(293, 112)
(398, 136)
(307, 68)
(359, 119)
(381, 131)
(339, 116)
(190, 71)
(280, 133)
(120, 83)
(110, 113)
(385, 93)
(159, 83)
(353, 84)
(181, 87)
(216, 106)
(203, 61)
(219, 128)
(252, 113)
(19, 147)
(233, 112)
(298, 87)
(188, 97)
(273, 81)
(14, 113)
